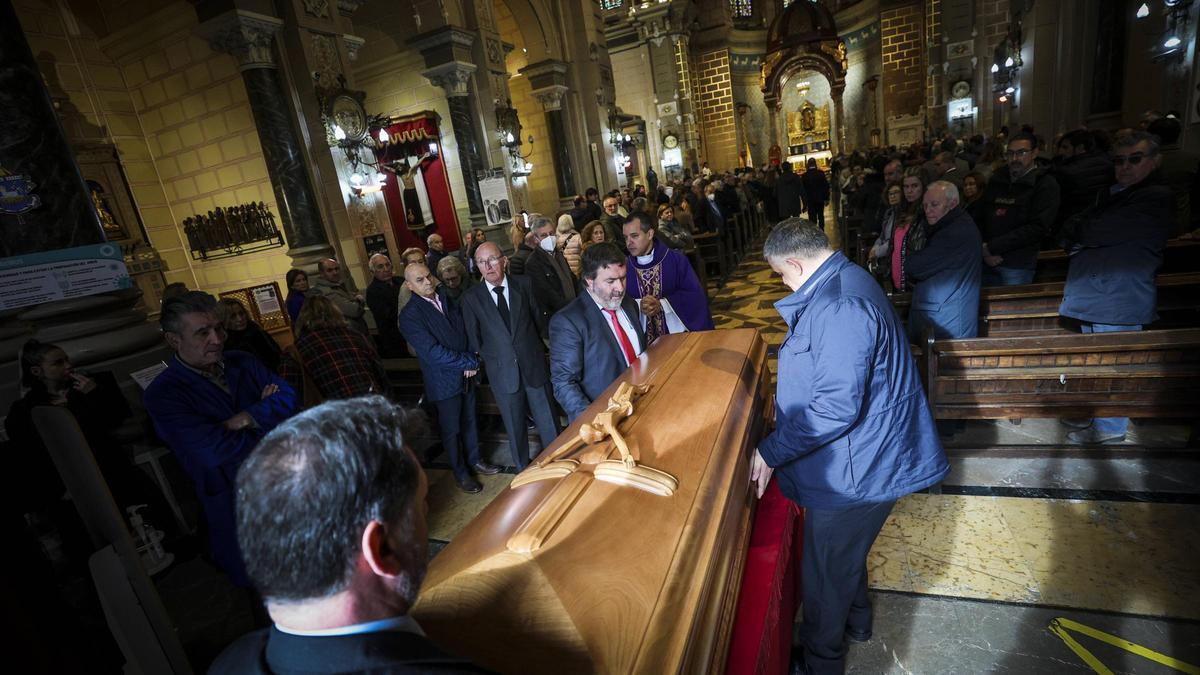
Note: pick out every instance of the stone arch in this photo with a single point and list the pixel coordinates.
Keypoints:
(536, 21)
(804, 37)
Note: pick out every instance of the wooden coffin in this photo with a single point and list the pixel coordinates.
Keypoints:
(572, 574)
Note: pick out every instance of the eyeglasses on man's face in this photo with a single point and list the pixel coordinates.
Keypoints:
(1132, 159)
(1022, 153)
(488, 262)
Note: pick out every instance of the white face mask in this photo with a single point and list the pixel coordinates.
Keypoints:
(547, 244)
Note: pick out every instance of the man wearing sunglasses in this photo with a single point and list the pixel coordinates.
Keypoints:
(1018, 209)
(1115, 249)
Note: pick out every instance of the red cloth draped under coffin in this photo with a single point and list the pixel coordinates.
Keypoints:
(761, 643)
(407, 138)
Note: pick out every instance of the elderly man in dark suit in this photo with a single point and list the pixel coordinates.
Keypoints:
(553, 283)
(506, 328)
(596, 337)
(432, 324)
(331, 516)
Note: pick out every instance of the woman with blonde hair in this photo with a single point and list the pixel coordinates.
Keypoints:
(569, 242)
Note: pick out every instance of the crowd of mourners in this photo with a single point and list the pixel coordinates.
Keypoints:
(938, 219)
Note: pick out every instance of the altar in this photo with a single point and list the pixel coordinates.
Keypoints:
(623, 549)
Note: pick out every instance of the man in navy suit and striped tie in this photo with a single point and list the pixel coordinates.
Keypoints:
(432, 324)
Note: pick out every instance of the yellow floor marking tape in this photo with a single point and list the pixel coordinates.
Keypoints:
(1061, 625)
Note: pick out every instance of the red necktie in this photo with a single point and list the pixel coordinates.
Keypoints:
(626, 347)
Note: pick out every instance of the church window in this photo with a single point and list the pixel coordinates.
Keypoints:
(611, 4)
(742, 9)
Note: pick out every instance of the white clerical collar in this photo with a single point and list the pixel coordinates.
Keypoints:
(646, 259)
(402, 624)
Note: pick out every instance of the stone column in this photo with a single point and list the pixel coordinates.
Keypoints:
(548, 82)
(32, 145)
(447, 53)
(250, 37)
(563, 174)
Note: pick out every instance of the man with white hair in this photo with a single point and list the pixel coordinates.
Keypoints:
(853, 431)
(383, 299)
(946, 271)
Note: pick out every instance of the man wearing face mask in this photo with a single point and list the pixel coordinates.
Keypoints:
(553, 283)
(597, 335)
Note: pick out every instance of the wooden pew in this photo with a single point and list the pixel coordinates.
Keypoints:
(711, 248)
(1136, 374)
(1181, 255)
(1032, 309)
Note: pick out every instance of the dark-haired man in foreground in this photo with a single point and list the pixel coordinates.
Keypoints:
(331, 520)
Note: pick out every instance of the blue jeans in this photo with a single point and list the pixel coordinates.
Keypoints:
(1109, 425)
(1006, 276)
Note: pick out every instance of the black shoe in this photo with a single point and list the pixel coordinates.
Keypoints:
(858, 635)
(469, 485)
(485, 469)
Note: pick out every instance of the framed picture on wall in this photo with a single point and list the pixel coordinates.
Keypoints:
(264, 304)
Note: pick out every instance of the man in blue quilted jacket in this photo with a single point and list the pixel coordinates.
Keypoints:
(853, 431)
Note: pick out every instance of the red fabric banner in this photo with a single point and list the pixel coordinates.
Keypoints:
(406, 139)
(761, 643)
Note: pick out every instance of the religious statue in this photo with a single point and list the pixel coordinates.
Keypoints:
(414, 216)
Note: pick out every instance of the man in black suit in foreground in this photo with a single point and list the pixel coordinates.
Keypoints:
(597, 335)
(505, 327)
(331, 522)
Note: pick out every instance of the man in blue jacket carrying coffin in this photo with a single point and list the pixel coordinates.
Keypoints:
(853, 433)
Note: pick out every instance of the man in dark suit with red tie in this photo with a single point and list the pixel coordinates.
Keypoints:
(505, 327)
(597, 335)
(432, 324)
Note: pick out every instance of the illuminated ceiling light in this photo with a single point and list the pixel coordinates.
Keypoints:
(338, 133)
(995, 68)
(356, 179)
(1010, 90)
(383, 136)
(1143, 11)
(1004, 99)
(508, 138)
(432, 148)
(528, 167)
(1008, 63)
(1172, 42)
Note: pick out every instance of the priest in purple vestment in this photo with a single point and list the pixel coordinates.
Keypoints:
(663, 282)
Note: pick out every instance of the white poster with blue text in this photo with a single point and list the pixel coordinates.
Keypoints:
(59, 275)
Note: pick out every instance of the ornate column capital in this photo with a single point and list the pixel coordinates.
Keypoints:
(248, 36)
(348, 7)
(353, 43)
(447, 43)
(545, 73)
(453, 77)
(551, 97)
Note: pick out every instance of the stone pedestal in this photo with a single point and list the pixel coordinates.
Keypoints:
(250, 37)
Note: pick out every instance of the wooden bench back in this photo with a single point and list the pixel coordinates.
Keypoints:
(1134, 374)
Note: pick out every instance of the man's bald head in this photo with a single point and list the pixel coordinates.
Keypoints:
(419, 280)
(940, 198)
(381, 267)
(330, 270)
(491, 262)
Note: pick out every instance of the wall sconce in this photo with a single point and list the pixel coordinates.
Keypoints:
(1006, 65)
(1171, 44)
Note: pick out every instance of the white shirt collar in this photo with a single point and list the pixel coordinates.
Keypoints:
(503, 284)
(403, 624)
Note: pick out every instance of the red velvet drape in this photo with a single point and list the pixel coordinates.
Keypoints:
(411, 137)
(761, 643)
